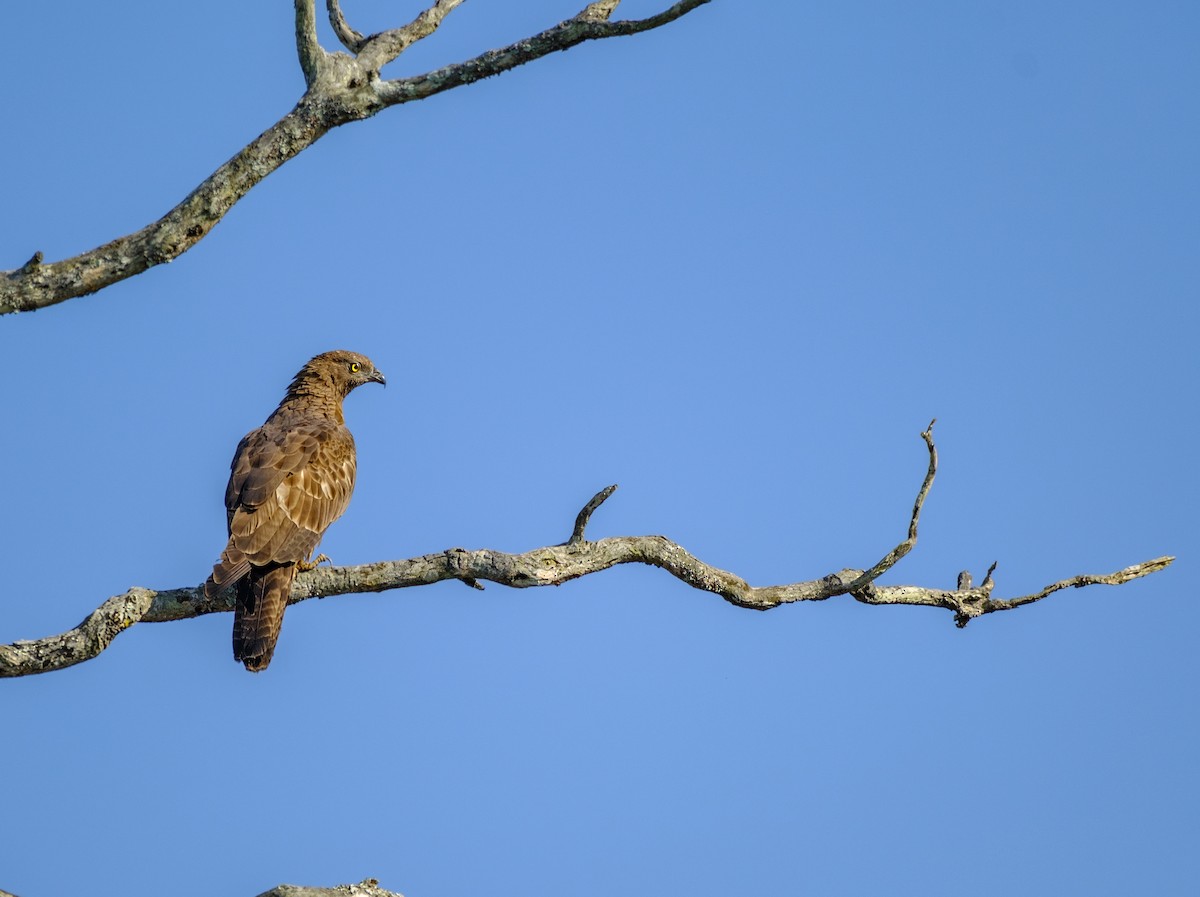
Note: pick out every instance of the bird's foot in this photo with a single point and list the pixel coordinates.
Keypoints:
(305, 566)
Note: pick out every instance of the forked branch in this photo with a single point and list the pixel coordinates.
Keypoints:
(339, 89)
(378, 50)
(552, 565)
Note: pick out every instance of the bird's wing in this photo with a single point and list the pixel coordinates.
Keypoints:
(288, 488)
(264, 457)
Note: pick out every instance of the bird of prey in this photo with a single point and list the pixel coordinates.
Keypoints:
(290, 479)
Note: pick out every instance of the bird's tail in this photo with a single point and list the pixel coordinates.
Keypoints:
(261, 600)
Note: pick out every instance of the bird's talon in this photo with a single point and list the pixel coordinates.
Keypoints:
(305, 566)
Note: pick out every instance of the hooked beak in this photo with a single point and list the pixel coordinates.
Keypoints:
(378, 377)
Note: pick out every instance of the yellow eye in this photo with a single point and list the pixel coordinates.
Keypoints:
(354, 366)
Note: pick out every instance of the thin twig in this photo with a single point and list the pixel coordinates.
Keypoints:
(890, 559)
(585, 514)
(562, 36)
(1118, 578)
(351, 39)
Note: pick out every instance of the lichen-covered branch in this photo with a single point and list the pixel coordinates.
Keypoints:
(378, 50)
(368, 888)
(40, 284)
(889, 560)
(549, 566)
(82, 643)
(588, 25)
(308, 48)
(340, 89)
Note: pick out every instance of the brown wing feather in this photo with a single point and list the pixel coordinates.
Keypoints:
(267, 455)
(318, 494)
(285, 488)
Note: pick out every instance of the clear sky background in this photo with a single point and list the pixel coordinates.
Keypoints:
(734, 265)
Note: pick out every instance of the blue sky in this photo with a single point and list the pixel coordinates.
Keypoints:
(734, 265)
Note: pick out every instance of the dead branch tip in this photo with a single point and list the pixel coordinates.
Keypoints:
(352, 40)
(988, 583)
(585, 515)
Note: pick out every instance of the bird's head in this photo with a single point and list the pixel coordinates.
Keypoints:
(344, 370)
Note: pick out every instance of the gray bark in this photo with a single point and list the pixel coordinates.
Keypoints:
(551, 566)
(341, 89)
(368, 888)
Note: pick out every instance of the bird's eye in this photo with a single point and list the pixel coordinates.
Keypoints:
(354, 366)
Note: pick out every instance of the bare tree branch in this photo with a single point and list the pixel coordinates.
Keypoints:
(307, 46)
(368, 888)
(585, 515)
(39, 285)
(1078, 582)
(351, 39)
(583, 27)
(83, 642)
(552, 565)
(380, 49)
(889, 560)
(340, 89)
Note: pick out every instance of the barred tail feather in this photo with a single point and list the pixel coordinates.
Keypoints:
(258, 615)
